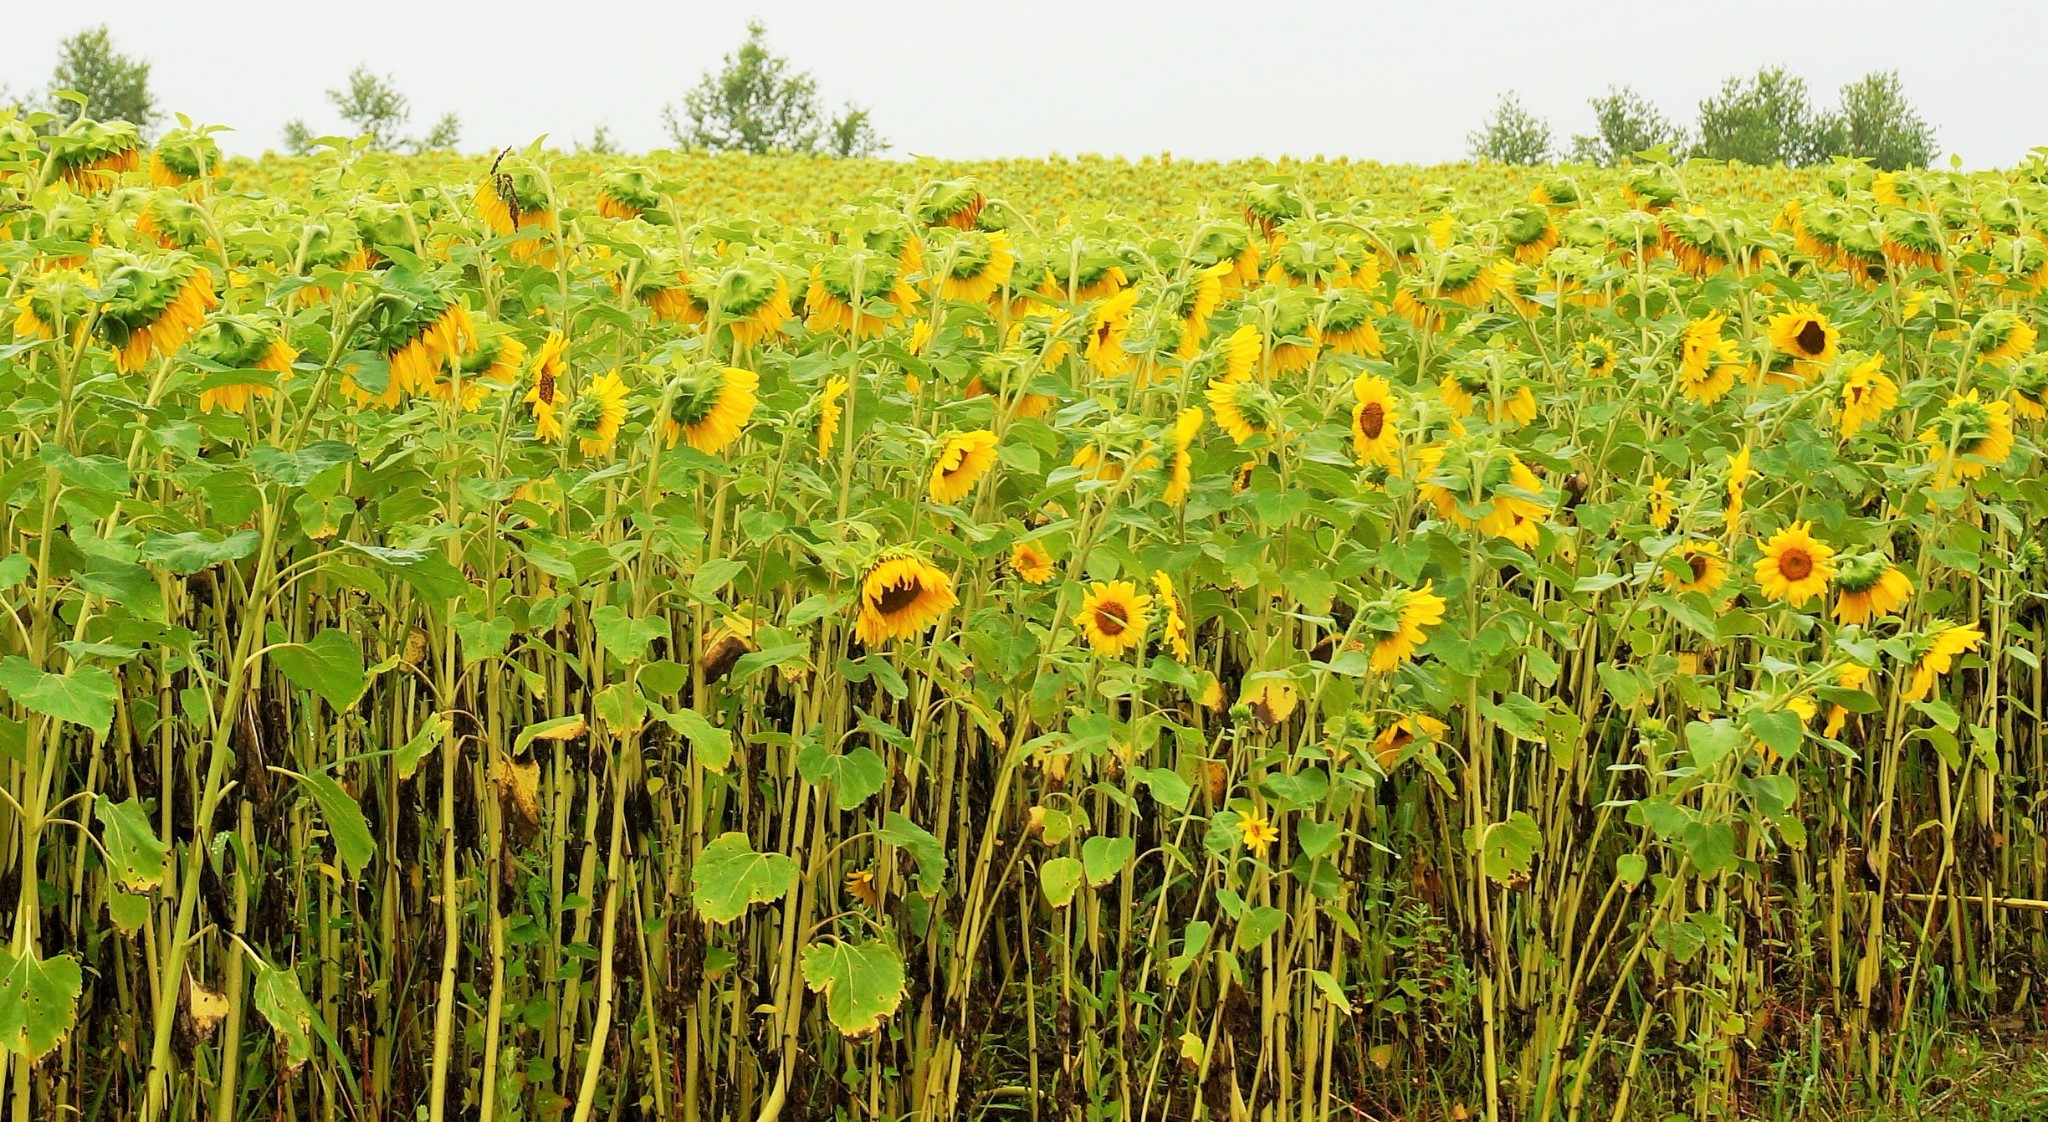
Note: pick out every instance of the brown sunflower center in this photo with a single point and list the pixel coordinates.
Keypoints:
(1795, 564)
(1111, 619)
(1698, 564)
(897, 597)
(545, 390)
(1813, 338)
(1372, 420)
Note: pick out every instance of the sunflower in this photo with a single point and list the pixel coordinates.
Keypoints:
(1244, 408)
(1805, 334)
(1696, 566)
(240, 343)
(493, 365)
(92, 155)
(1868, 393)
(963, 460)
(1344, 324)
(517, 202)
(1934, 654)
(547, 396)
(1870, 586)
(1180, 469)
(846, 288)
(1375, 423)
(1490, 478)
(1395, 738)
(60, 296)
(709, 405)
(1175, 623)
(1598, 356)
(2001, 335)
(1108, 323)
(949, 202)
(1528, 233)
(1968, 437)
(1739, 472)
(1849, 677)
(1696, 241)
(1031, 563)
(1795, 566)
(751, 298)
(1257, 830)
(627, 193)
(1396, 624)
(2030, 388)
(1662, 509)
(595, 417)
(183, 156)
(1706, 361)
(828, 414)
(901, 595)
(1113, 616)
(978, 265)
(154, 306)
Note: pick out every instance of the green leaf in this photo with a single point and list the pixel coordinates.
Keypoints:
(1104, 857)
(624, 637)
(88, 473)
(714, 576)
(1317, 838)
(924, 848)
(189, 552)
(713, 745)
(1629, 868)
(1518, 716)
(1780, 729)
(1711, 741)
(331, 665)
(854, 776)
(1508, 848)
(752, 664)
(283, 1004)
(38, 1002)
(1256, 926)
(567, 727)
(128, 911)
(296, 469)
(1332, 992)
(1166, 785)
(408, 756)
(430, 574)
(135, 859)
(84, 695)
(862, 982)
(729, 877)
(1058, 878)
(345, 820)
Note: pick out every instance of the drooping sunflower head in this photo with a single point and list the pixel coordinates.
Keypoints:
(1868, 393)
(1270, 204)
(1228, 247)
(596, 416)
(1969, 436)
(2001, 334)
(1344, 321)
(709, 405)
(975, 265)
(1934, 653)
(153, 305)
(1244, 407)
(175, 223)
(1528, 233)
(1870, 586)
(1699, 242)
(182, 156)
(751, 299)
(1913, 239)
(949, 202)
(91, 155)
(1556, 191)
(227, 344)
(1114, 616)
(858, 291)
(2030, 387)
(901, 595)
(1598, 356)
(59, 300)
(1652, 186)
(628, 193)
(1174, 624)
(1397, 623)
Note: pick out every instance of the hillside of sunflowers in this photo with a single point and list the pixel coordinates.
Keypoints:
(547, 636)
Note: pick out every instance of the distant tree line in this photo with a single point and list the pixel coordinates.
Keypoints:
(1767, 118)
(756, 103)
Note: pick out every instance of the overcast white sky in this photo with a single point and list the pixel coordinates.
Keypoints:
(971, 78)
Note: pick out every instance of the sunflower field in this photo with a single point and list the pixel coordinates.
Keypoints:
(570, 637)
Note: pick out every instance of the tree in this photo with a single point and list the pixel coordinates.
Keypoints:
(376, 109)
(116, 87)
(601, 143)
(1626, 123)
(1513, 135)
(1765, 119)
(853, 135)
(1877, 123)
(757, 103)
